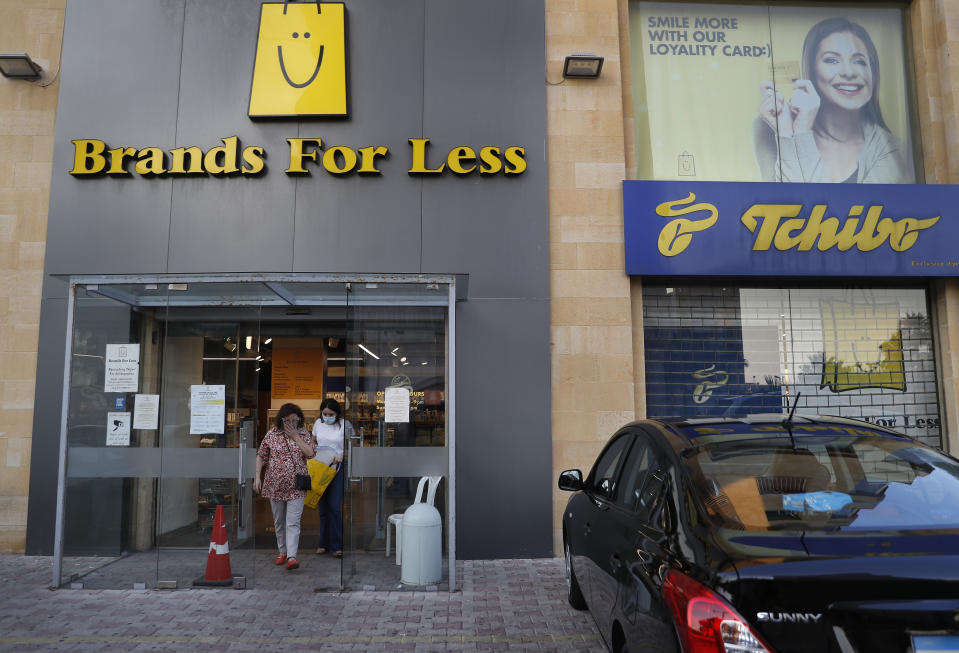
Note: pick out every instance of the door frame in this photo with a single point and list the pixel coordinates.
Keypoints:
(101, 284)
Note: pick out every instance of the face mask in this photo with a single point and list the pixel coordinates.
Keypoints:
(329, 420)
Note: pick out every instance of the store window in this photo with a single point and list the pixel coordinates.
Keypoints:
(727, 351)
(728, 92)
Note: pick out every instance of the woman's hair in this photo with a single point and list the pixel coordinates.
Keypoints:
(333, 405)
(285, 411)
(818, 32)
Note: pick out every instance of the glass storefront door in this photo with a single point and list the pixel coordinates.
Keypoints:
(396, 394)
(172, 386)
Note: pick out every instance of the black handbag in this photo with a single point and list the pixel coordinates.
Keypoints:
(303, 481)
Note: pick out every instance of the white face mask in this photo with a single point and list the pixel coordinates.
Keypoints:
(329, 420)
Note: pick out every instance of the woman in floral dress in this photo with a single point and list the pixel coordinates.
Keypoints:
(283, 454)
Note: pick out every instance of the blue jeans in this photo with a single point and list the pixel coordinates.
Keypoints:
(331, 515)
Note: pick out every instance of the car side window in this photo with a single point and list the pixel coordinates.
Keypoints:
(636, 473)
(607, 466)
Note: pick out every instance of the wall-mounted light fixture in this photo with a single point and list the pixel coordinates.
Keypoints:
(586, 66)
(19, 65)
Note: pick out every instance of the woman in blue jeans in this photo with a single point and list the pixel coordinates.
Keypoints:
(331, 431)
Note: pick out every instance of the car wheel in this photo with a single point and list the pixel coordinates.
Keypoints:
(573, 593)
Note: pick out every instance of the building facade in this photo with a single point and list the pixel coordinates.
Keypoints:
(316, 209)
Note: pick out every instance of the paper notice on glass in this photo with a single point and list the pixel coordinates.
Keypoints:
(118, 429)
(146, 409)
(122, 368)
(397, 405)
(207, 409)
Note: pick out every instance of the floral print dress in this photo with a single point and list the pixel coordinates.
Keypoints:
(284, 460)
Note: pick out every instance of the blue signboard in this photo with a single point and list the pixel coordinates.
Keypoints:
(689, 228)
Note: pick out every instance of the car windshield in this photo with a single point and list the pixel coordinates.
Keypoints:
(824, 477)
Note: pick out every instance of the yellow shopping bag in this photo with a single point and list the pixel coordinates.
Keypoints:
(321, 476)
(300, 63)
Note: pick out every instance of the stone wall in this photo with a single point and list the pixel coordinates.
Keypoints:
(27, 115)
(597, 336)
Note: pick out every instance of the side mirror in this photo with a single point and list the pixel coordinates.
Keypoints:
(571, 480)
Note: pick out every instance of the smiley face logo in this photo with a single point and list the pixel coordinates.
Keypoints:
(300, 65)
(286, 75)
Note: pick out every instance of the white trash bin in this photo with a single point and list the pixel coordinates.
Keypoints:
(422, 557)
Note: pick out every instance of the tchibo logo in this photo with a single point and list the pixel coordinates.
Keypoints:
(300, 64)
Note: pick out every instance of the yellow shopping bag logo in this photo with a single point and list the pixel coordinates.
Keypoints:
(300, 63)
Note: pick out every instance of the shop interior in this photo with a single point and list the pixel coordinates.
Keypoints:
(263, 357)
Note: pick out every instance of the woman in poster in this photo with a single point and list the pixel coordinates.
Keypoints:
(831, 128)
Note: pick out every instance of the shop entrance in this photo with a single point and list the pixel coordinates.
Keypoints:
(174, 381)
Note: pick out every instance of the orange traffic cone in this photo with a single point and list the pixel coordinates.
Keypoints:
(218, 561)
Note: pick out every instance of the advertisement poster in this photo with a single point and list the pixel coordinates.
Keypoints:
(752, 93)
(122, 372)
(207, 409)
(146, 410)
(297, 372)
(118, 429)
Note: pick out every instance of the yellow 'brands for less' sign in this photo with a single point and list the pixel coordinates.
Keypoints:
(299, 71)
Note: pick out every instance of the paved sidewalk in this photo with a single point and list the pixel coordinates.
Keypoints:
(503, 605)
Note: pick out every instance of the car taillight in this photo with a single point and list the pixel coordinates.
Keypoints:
(705, 622)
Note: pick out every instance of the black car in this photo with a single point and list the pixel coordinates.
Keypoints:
(762, 534)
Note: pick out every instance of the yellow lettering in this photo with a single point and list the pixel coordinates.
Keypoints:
(490, 161)
(368, 159)
(118, 164)
(516, 157)
(784, 240)
(177, 165)
(253, 157)
(88, 157)
(843, 240)
(809, 235)
(225, 153)
(345, 153)
(460, 155)
(418, 163)
(781, 228)
(677, 234)
(770, 214)
(150, 161)
(907, 231)
(298, 153)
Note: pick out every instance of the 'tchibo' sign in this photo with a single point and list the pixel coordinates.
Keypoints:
(93, 157)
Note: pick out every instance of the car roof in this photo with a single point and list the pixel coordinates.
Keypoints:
(684, 432)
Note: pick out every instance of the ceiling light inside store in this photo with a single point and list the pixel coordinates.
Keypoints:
(424, 363)
(403, 359)
(229, 345)
(394, 351)
(268, 341)
(368, 352)
(249, 342)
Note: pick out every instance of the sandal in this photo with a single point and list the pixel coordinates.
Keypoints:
(292, 564)
(337, 554)
(320, 551)
(280, 559)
